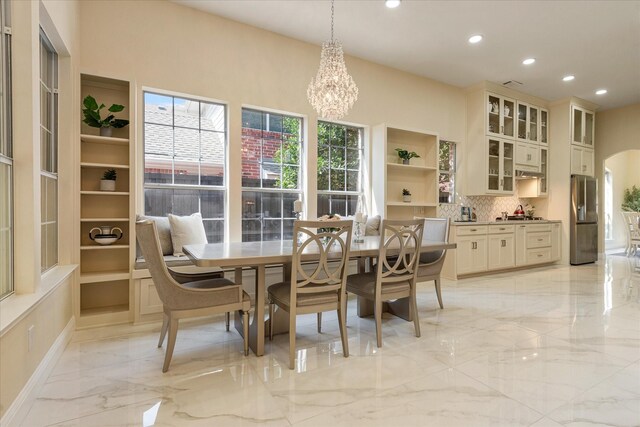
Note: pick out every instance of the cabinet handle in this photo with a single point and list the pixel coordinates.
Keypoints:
(539, 255)
(502, 228)
(502, 129)
(522, 226)
(527, 135)
(504, 243)
(539, 240)
(473, 229)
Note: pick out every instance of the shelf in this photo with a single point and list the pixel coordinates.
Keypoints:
(494, 156)
(494, 114)
(104, 219)
(102, 247)
(412, 204)
(110, 309)
(103, 165)
(104, 276)
(410, 167)
(106, 193)
(104, 139)
(508, 158)
(508, 117)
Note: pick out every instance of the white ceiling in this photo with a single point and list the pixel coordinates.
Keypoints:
(597, 41)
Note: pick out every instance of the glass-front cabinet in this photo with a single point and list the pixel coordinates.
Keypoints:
(544, 126)
(500, 170)
(582, 127)
(529, 126)
(500, 115)
(543, 182)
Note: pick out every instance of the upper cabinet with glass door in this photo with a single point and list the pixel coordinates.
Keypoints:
(530, 123)
(500, 114)
(543, 134)
(500, 177)
(582, 126)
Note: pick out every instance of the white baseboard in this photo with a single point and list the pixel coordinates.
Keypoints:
(18, 409)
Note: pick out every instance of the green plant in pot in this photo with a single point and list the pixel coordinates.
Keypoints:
(108, 181)
(631, 199)
(406, 155)
(406, 195)
(92, 117)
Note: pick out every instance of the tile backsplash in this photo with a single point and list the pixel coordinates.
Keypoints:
(488, 208)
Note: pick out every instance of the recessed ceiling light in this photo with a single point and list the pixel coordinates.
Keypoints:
(568, 78)
(529, 61)
(601, 91)
(392, 4)
(475, 39)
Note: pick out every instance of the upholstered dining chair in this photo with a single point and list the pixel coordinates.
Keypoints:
(322, 288)
(394, 276)
(430, 263)
(190, 299)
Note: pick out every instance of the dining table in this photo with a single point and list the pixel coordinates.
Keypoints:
(263, 254)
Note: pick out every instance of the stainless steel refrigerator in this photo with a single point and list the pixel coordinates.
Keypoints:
(584, 220)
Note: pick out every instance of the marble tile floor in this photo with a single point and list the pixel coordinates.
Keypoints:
(544, 347)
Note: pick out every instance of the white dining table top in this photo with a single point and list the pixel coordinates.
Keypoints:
(236, 254)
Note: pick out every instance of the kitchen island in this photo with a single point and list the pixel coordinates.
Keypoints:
(494, 246)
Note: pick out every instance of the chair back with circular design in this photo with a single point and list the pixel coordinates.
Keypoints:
(400, 242)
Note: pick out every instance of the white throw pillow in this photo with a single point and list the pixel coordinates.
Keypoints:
(186, 230)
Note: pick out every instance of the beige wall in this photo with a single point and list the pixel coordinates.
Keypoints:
(166, 46)
(17, 364)
(617, 130)
(53, 312)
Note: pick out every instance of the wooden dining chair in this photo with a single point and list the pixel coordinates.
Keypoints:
(431, 263)
(190, 299)
(395, 274)
(315, 287)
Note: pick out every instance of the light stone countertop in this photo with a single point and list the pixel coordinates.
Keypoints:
(513, 221)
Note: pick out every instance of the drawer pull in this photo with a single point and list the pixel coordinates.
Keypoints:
(502, 228)
(539, 240)
(474, 229)
(504, 243)
(540, 255)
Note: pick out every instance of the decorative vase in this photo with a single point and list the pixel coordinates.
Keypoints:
(406, 199)
(405, 161)
(107, 185)
(108, 131)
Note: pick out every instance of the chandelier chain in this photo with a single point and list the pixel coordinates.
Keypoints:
(332, 21)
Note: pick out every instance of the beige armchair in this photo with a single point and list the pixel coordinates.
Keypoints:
(431, 263)
(395, 275)
(321, 290)
(190, 299)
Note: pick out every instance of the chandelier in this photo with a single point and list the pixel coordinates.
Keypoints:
(332, 92)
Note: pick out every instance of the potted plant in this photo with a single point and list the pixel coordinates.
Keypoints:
(91, 112)
(406, 195)
(631, 199)
(108, 181)
(405, 155)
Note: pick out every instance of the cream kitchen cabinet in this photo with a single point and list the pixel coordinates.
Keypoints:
(543, 133)
(527, 156)
(500, 116)
(528, 129)
(582, 126)
(472, 254)
(501, 250)
(582, 162)
(495, 246)
(500, 166)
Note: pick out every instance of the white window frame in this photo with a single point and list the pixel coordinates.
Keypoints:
(451, 172)
(6, 138)
(359, 194)
(282, 191)
(197, 187)
(49, 172)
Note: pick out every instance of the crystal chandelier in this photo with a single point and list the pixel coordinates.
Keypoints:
(332, 92)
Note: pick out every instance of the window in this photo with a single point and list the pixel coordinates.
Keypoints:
(340, 153)
(608, 205)
(48, 153)
(447, 177)
(271, 174)
(6, 155)
(184, 159)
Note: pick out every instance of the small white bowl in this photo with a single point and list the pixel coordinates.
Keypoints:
(105, 240)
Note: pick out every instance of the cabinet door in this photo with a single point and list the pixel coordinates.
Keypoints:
(528, 155)
(523, 120)
(494, 122)
(556, 241)
(587, 162)
(588, 128)
(534, 120)
(508, 113)
(501, 251)
(543, 134)
(577, 125)
(471, 254)
(493, 171)
(576, 160)
(506, 171)
(543, 183)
